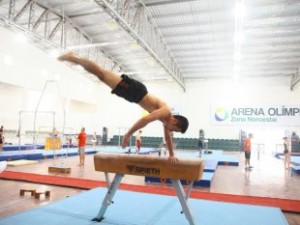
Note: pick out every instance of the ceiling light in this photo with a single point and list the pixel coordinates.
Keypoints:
(134, 45)
(54, 53)
(150, 61)
(21, 38)
(237, 56)
(57, 77)
(238, 36)
(8, 60)
(239, 11)
(45, 73)
(112, 24)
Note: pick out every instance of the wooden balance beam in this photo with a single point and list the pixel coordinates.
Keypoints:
(186, 169)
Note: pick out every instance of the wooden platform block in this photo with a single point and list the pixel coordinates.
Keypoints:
(38, 194)
(32, 191)
(59, 169)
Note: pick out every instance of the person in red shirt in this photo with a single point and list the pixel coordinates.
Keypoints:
(81, 146)
(247, 149)
(138, 141)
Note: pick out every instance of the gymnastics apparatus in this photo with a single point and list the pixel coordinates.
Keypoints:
(186, 169)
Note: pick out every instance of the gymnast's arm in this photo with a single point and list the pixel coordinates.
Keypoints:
(153, 116)
(169, 142)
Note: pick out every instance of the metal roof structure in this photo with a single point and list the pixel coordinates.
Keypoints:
(162, 40)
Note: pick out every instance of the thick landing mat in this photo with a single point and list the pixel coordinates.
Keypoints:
(65, 152)
(132, 208)
(22, 147)
(18, 155)
(21, 162)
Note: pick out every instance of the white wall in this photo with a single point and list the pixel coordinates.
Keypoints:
(196, 101)
(91, 105)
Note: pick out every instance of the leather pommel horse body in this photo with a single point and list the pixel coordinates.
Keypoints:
(146, 165)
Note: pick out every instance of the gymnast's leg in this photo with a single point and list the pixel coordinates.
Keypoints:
(108, 77)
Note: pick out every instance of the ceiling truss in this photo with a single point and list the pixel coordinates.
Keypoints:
(57, 27)
(168, 40)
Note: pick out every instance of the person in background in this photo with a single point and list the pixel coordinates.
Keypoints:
(286, 152)
(247, 149)
(138, 141)
(54, 133)
(1, 138)
(295, 142)
(201, 141)
(94, 140)
(81, 146)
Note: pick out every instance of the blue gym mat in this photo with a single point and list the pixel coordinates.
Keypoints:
(133, 208)
(41, 154)
(295, 160)
(22, 147)
(205, 181)
(211, 163)
(216, 155)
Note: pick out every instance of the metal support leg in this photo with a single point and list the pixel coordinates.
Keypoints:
(183, 201)
(189, 190)
(107, 179)
(187, 195)
(109, 196)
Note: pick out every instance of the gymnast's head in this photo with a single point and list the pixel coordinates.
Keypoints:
(177, 123)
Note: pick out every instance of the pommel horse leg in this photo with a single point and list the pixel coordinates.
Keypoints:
(112, 188)
(183, 200)
(121, 164)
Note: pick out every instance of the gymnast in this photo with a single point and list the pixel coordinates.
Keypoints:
(134, 91)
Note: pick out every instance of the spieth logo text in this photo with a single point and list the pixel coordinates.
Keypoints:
(143, 170)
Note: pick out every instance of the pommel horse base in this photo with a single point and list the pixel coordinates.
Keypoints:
(121, 164)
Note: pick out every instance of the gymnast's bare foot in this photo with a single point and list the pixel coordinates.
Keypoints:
(67, 56)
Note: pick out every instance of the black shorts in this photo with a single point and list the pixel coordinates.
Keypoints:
(130, 89)
(247, 155)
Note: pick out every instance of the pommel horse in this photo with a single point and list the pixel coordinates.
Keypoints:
(186, 169)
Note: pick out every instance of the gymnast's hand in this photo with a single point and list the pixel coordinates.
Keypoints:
(125, 140)
(173, 160)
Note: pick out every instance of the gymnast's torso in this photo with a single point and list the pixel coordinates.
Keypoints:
(151, 103)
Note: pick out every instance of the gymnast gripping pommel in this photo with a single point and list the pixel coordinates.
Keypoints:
(185, 169)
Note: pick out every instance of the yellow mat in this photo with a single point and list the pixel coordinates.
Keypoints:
(21, 162)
